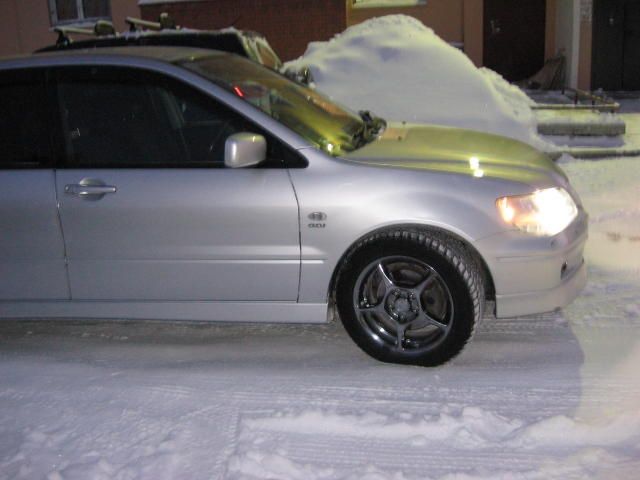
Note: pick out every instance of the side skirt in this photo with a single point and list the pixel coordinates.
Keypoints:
(259, 312)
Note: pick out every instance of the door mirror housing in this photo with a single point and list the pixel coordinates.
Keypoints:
(244, 150)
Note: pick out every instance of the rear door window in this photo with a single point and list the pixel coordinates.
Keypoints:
(24, 127)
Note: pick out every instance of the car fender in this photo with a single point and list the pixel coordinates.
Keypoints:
(338, 212)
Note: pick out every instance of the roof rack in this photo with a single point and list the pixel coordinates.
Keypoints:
(100, 29)
(165, 22)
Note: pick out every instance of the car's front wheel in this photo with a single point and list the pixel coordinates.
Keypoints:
(410, 296)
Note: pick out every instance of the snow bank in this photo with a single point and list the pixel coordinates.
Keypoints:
(401, 70)
(472, 428)
(610, 190)
(260, 455)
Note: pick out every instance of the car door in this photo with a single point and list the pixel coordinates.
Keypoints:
(150, 212)
(32, 258)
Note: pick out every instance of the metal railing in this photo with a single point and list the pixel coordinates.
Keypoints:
(582, 100)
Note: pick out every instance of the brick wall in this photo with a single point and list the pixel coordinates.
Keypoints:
(445, 17)
(288, 25)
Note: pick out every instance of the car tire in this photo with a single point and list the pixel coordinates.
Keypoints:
(410, 296)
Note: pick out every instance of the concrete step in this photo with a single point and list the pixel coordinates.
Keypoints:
(579, 123)
(598, 152)
(627, 145)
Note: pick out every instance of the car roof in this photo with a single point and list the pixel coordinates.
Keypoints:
(163, 54)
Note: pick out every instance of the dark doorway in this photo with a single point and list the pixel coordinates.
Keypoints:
(616, 45)
(514, 35)
(631, 62)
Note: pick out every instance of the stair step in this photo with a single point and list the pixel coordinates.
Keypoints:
(579, 123)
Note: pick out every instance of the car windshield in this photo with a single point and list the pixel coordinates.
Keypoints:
(311, 115)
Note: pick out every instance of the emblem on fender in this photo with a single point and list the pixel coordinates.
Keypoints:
(317, 219)
(317, 216)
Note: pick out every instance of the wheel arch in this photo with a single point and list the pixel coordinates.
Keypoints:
(401, 231)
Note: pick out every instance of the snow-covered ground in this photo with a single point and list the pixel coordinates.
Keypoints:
(630, 105)
(555, 396)
(401, 70)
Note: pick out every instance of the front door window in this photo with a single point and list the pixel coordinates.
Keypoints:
(119, 119)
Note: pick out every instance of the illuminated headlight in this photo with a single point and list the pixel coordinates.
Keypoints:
(543, 212)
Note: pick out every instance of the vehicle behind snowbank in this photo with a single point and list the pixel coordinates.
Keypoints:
(165, 32)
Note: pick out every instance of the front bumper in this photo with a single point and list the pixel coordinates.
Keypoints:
(514, 305)
(533, 274)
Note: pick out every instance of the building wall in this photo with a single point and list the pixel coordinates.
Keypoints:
(288, 25)
(444, 16)
(569, 29)
(458, 21)
(121, 9)
(8, 28)
(473, 30)
(25, 25)
(551, 30)
(565, 38)
(586, 40)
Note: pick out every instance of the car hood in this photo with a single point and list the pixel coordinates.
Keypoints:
(455, 150)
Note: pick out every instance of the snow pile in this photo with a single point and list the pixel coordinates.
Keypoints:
(401, 70)
(471, 428)
(610, 191)
(586, 464)
(562, 431)
(261, 453)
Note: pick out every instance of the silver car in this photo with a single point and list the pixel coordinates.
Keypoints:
(175, 183)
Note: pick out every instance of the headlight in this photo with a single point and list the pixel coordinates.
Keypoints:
(543, 212)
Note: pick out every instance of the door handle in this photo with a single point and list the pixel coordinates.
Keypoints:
(89, 190)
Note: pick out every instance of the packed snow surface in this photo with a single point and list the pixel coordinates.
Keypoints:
(553, 396)
(401, 70)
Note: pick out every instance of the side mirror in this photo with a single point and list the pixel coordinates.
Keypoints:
(244, 150)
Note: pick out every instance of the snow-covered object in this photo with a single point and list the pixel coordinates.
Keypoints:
(401, 70)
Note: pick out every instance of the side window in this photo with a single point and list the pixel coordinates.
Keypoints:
(24, 133)
(206, 124)
(110, 120)
(203, 124)
(118, 118)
